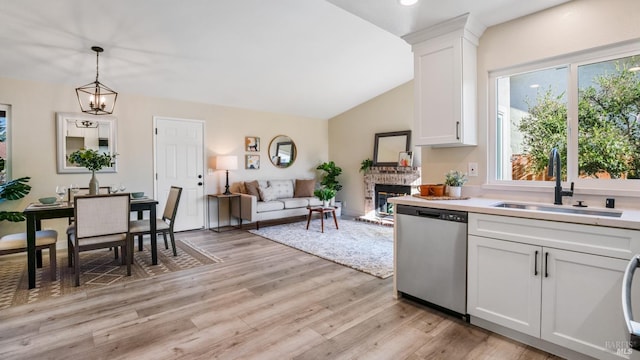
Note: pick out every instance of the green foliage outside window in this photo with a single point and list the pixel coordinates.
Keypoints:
(609, 128)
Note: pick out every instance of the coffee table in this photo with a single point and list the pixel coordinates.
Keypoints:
(322, 211)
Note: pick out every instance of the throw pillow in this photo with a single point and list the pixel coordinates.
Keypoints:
(283, 188)
(268, 193)
(252, 188)
(304, 188)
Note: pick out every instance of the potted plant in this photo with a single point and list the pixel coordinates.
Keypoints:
(94, 161)
(454, 180)
(12, 190)
(325, 194)
(331, 173)
(365, 165)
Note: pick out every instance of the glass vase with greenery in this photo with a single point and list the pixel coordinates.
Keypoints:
(93, 161)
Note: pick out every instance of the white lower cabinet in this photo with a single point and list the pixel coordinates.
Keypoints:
(581, 303)
(568, 298)
(501, 284)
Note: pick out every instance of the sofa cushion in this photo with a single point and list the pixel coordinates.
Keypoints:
(263, 206)
(314, 201)
(295, 203)
(252, 188)
(304, 188)
(268, 193)
(282, 188)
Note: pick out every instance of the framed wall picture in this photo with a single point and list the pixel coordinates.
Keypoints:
(252, 162)
(405, 159)
(252, 143)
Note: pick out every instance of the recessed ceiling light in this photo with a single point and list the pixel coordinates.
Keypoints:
(634, 69)
(407, 2)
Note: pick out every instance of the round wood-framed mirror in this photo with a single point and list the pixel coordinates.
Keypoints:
(282, 151)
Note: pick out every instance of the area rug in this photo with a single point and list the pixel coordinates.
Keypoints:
(98, 269)
(358, 245)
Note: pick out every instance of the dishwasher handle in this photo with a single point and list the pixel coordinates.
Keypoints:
(632, 326)
(428, 214)
(418, 211)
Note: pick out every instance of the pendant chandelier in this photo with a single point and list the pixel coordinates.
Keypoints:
(96, 98)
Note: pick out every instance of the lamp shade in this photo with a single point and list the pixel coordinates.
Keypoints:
(226, 162)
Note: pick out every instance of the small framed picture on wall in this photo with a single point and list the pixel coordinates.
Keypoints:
(252, 143)
(252, 162)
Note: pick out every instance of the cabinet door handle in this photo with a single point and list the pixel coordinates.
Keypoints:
(546, 264)
(535, 266)
(457, 130)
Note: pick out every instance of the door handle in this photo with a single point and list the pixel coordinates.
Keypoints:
(535, 266)
(633, 327)
(200, 183)
(546, 264)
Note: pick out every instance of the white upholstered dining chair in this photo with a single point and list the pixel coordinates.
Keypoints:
(163, 225)
(45, 239)
(101, 221)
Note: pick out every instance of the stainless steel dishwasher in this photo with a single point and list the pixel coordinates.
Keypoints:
(432, 256)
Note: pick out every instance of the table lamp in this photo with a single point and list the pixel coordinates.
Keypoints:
(226, 162)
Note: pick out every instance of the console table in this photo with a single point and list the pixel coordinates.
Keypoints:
(229, 199)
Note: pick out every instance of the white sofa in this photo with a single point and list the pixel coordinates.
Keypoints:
(276, 199)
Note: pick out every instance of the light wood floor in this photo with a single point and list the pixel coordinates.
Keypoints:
(265, 301)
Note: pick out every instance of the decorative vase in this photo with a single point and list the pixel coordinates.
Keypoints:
(455, 191)
(325, 203)
(94, 186)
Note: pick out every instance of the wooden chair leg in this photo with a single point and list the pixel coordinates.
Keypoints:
(76, 253)
(52, 261)
(69, 253)
(166, 244)
(128, 256)
(140, 247)
(38, 258)
(173, 243)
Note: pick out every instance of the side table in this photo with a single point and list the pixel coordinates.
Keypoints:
(229, 198)
(322, 211)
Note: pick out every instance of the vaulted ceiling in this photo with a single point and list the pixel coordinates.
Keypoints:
(312, 58)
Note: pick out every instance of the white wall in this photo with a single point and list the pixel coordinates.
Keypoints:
(33, 136)
(351, 137)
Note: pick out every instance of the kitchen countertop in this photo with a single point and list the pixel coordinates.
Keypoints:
(630, 219)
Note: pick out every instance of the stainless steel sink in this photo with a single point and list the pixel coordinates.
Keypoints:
(559, 209)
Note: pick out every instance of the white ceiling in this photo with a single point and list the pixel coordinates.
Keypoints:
(298, 57)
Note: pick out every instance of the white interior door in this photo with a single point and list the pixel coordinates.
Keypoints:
(179, 154)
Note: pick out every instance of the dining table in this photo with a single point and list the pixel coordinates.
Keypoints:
(36, 212)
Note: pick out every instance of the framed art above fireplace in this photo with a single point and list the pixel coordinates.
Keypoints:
(388, 146)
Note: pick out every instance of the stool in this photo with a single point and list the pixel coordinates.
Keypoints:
(322, 211)
(45, 239)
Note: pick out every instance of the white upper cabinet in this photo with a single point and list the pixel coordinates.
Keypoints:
(445, 80)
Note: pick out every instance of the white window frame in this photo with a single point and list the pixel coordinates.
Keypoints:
(8, 162)
(572, 61)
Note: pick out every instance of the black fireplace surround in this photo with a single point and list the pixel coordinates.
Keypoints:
(385, 191)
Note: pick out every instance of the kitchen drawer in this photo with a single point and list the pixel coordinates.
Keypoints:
(598, 240)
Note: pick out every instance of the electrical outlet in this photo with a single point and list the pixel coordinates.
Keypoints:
(473, 169)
